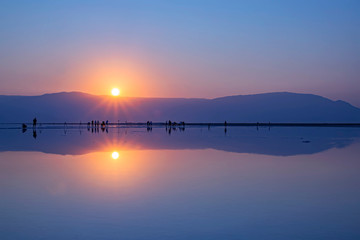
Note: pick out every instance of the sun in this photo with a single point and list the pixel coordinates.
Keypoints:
(115, 92)
(115, 155)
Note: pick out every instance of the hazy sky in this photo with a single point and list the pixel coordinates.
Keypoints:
(181, 48)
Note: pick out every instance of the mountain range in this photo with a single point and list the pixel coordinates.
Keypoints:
(280, 107)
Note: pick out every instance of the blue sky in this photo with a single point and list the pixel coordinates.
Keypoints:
(181, 48)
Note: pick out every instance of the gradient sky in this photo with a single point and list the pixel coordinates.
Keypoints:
(181, 48)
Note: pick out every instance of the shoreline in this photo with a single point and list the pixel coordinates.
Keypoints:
(144, 124)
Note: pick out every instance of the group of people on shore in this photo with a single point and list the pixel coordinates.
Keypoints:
(96, 123)
(169, 123)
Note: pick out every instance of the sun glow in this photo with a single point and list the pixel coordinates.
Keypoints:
(115, 92)
(115, 155)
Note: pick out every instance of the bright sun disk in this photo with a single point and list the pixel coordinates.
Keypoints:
(115, 155)
(115, 92)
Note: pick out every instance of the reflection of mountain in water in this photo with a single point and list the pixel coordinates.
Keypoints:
(281, 141)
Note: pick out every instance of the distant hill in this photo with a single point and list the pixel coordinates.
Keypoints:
(274, 107)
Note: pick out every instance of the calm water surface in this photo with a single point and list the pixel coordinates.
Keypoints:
(138, 183)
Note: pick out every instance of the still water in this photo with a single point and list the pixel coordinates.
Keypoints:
(193, 183)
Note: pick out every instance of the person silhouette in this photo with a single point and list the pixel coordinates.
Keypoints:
(34, 122)
(24, 127)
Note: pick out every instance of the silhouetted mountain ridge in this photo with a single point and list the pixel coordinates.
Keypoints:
(273, 107)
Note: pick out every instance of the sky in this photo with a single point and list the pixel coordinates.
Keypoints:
(181, 48)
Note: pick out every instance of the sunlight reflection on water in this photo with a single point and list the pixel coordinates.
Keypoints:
(196, 184)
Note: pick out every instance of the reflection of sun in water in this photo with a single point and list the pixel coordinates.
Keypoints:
(115, 155)
(115, 92)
